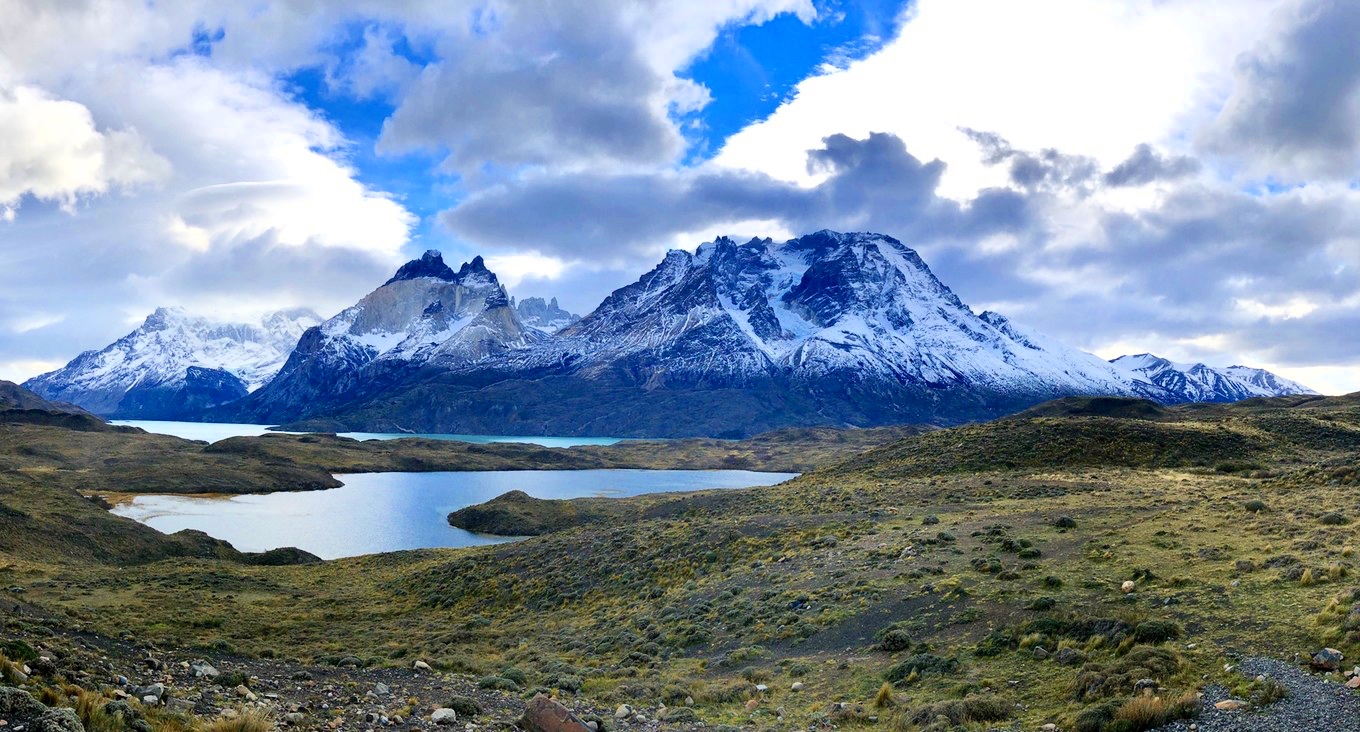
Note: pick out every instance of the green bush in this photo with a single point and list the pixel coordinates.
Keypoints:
(968, 710)
(920, 664)
(497, 683)
(1157, 631)
(895, 640)
(465, 706)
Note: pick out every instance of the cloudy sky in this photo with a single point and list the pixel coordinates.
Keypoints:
(1173, 176)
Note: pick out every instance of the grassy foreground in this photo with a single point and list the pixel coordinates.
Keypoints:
(968, 578)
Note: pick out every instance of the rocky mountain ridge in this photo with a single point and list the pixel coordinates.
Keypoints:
(1196, 382)
(176, 364)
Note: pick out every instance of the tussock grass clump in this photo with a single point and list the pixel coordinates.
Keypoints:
(1149, 712)
(957, 712)
(884, 698)
(1098, 681)
(919, 665)
(247, 721)
(1157, 631)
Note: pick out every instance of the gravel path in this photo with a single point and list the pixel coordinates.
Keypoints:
(1313, 704)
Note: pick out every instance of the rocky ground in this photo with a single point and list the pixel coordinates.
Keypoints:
(1312, 701)
(201, 686)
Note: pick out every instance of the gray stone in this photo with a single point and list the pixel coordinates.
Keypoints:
(203, 669)
(444, 715)
(58, 720)
(1327, 659)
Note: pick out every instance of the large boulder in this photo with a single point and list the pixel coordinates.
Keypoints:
(20, 710)
(543, 714)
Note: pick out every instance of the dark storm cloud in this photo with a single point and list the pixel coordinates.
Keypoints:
(872, 183)
(1048, 168)
(536, 112)
(1296, 109)
(1146, 165)
(1200, 262)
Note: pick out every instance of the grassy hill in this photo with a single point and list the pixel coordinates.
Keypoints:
(965, 578)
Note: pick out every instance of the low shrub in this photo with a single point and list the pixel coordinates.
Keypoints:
(969, 710)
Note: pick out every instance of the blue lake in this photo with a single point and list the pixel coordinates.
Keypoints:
(382, 512)
(214, 431)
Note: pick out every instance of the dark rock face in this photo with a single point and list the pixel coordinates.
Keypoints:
(200, 389)
(430, 264)
(546, 316)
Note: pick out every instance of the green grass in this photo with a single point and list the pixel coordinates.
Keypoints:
(806, 580)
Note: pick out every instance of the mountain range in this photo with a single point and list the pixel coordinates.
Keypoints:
(175, 365)
(733, 339)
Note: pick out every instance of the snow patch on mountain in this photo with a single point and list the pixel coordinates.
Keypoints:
(820, 308)
(171, 348)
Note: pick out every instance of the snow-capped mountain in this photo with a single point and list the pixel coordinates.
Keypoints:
(855, 307)
(1196, 382)
(426, 312)
(176, 364)
(546, 316)
(733, 339)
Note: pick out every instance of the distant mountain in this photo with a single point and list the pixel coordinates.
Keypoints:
(176, 364)
(545, 316)
(734, 339)
(1195, 382)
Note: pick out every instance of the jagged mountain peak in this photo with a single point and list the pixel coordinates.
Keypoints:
(430, 264)
(546, 316)
(1198, 382)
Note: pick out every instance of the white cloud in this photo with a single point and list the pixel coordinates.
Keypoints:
(53, 151)
(1088, 78)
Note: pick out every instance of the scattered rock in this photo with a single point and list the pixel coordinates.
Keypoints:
(542, 714)
(1327, 659)
(203, 669)
(797, 686)
(1069, 657)
(1040, 653)
(421, 666)
(444, 715)
(381, 689)
(1128, 587)
(623, 712)
(1231, 705)
(294, 718)
(1354, 683)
